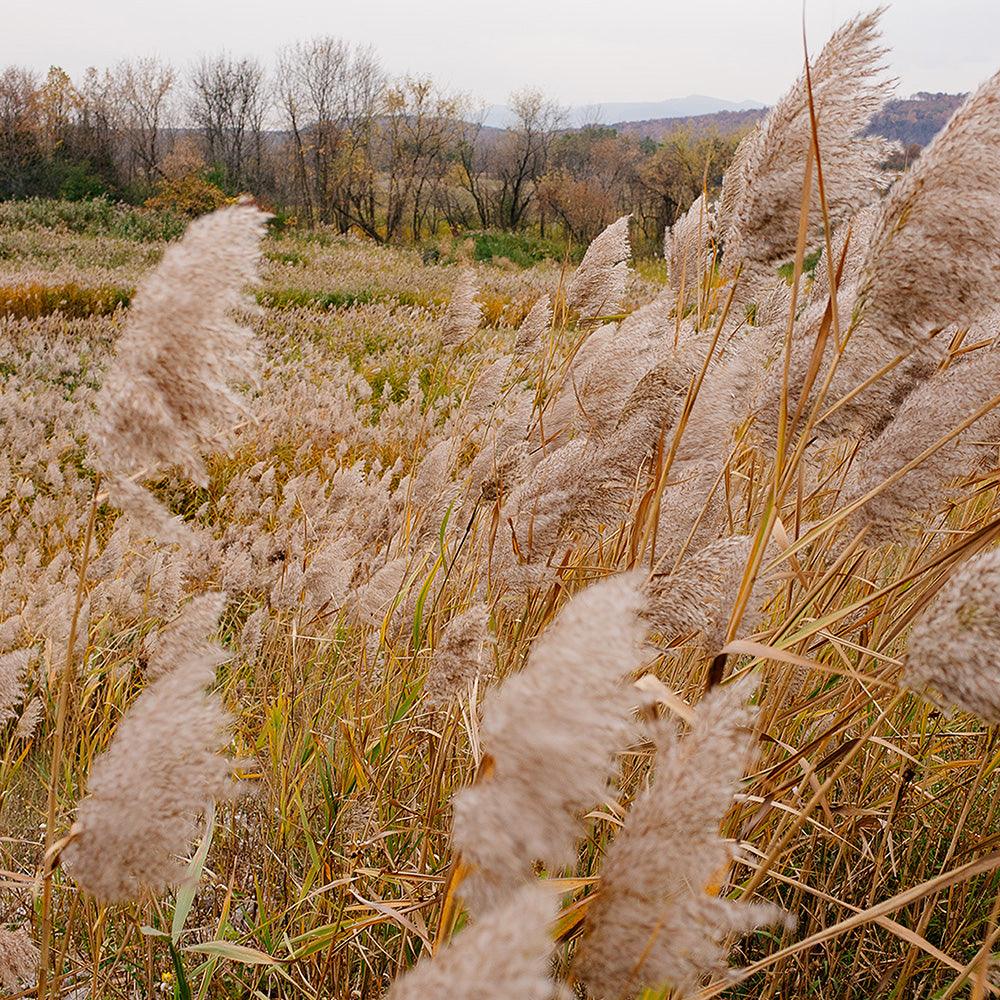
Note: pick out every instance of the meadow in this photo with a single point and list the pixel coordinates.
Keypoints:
(379, 625)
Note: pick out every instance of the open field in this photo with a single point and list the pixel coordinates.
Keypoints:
(371, 624)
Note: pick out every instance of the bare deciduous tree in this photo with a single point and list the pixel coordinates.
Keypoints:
(421, 128)
(329, 95)
(20, 154)
(146, 88)
(228, 106)
(522, 154)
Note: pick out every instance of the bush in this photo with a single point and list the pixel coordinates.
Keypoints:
(191, 196)
(521, 248)
(80, 183)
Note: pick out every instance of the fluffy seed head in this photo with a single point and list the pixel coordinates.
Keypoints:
(653, 923)
(18, 958)
(186, 636)
(686, 248)
(551, 731)
(936, 406)
(761, 196)
(501, 956)
(460, 656)
(463, 315)
(934, 258)
(28, 723)
(147, 791)
(953, 646)
(701, 595)
(534, 327)
(12, 669)
(597, 287)
(169, 392)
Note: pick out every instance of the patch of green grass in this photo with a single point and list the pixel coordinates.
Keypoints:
(488, 245)
(93, 217)
(652, 269)
(301, 298)
(523, 249)
(292, 298)
(287, 257)
(809, 262)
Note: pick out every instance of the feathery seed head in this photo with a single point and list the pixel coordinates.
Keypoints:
(187, 635)
(169, 392)
(953, 647)
(147, 791)
(534, 327)
(461, 655)
(597, 287)
(462, 318)
(504, 954)
(552, 731)
(18, 958)
(653, 923)
(13, 667)
(759, 205)
(934, 257)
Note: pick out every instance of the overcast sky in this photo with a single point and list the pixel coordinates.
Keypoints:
(577, 51)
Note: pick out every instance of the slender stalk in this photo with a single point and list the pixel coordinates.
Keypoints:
(58, 739)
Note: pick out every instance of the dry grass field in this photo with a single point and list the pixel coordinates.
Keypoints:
(456, 630)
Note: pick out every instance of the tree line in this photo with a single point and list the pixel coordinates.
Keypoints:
(329, 137)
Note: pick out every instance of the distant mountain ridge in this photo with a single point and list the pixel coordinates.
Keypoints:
(498, 116)
(917, 119)
(724, 122)
(912, 120)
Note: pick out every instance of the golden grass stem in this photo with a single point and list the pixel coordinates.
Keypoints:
(58, 739)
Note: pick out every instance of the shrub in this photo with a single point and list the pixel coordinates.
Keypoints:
(191, 195)
(521, 248)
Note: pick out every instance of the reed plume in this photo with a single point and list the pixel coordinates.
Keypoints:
(934, 258)
(597, 287)
(327, 579)
(186, 636)
(700, 595)
(936, 406)
(762, 188)
(461, 655)
(18, 958)
(606, 370)
(374, 598)
(952, 650)
(147, 791)
(531, 537)
(13, 667)
(27, 724)
(654, 923)
(686, 246)
(170, 391)
(849, 242)
(503, 955)
(551, 731)
(534, 328)
(461, 319)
